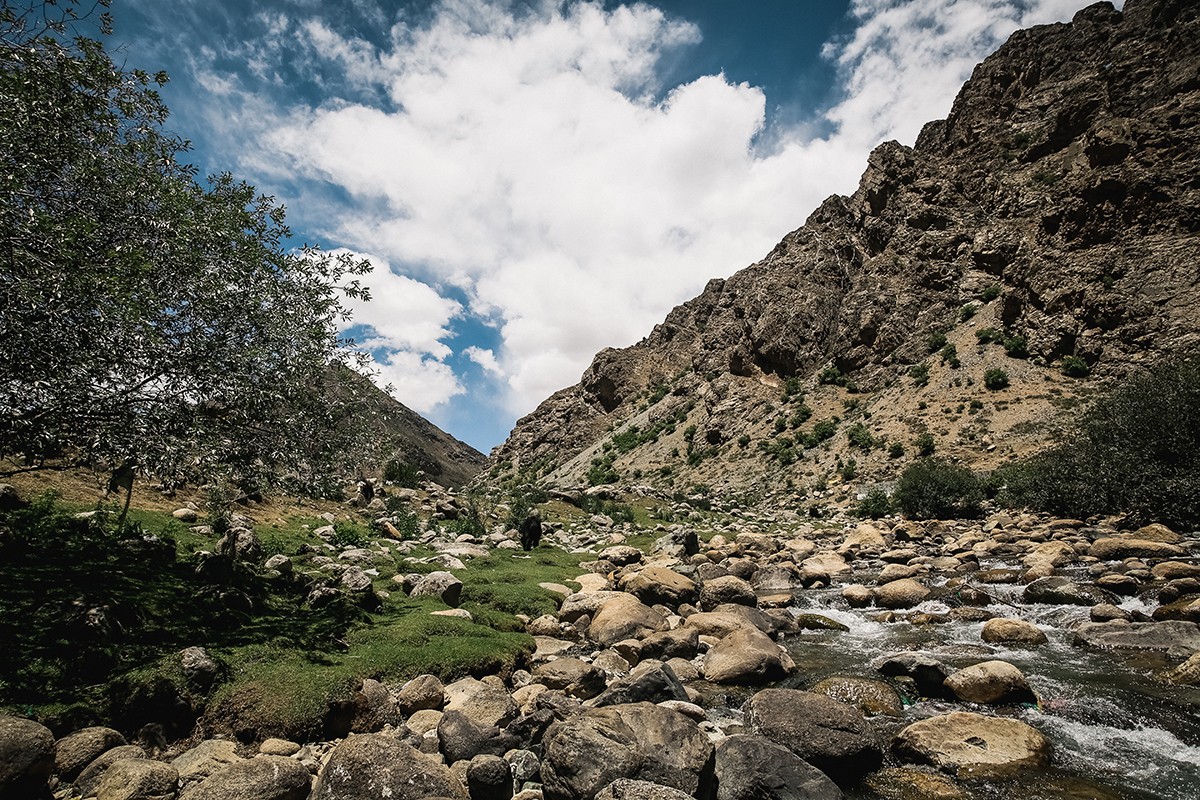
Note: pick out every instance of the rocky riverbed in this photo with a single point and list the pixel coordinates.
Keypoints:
(1019, 656)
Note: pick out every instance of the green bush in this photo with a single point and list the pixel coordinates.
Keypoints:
(873, 506)
(1016, 346)
(919, 373)
(949, 354)
(988, 335)
(990, 293)
(934, 489)
(1136, 451)
(995, 379)
(936, 341)
(860, 437)
(966, 312)
(400, 473)
(895, 450)
(1075, 367)
(925, 444)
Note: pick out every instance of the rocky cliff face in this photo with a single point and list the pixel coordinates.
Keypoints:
(1057, 206)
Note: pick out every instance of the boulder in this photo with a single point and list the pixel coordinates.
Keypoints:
(927, 673)
(575, 677)
(747, 656)
(376, 765)
(1186, 609)
(76, 750)
(278, 747)
(89, 779)
(727, 589)
(487, 702)
(584, 604)
(624, 617)
(832, 736)
(1173, 570)
(654, 682)
(680, 643)
(262, 777)
(991, 682)
(26, 756)
(857, 596)
(754, 768)
(374, 707)
(462, 738)
(902, 593)
(138, 779)
(621, 555)
(659, 586)
(489, 777)
(967, 744)
(909, 783)
(641, 741)
(868, 696)
(421, 693)
(442, 585)
(200, 669)
(205, 759)
(1119, 548)
(1176, 639)
(627, 789)
(1011, 631)
(1187, 673)
(726, 619)
(1057, 590)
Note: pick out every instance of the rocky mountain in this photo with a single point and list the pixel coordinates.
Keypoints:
(1039, 242)
(406, 436)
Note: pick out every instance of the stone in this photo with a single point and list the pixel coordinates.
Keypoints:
(660, 586)
(1119, 548)
(747, 656)
(585, 604)
(868, 696)
(680, 643)
(927, 674)
(262, 778)
(138, 779)
(754, 768)
(489, 778)
(374, 707)
(1157, 532)
(832, 736)
(575, 677)
(640, 741)
(1011, 631)
(200, 669)
(906, 783)
(1176, 639)
(442, 585)
(728, 618)
(896, 572)
(624, 617)
(487, 701)
(1187, 673)
(278, 747)
(26, 756)
(205, 759)
(653, 682)
(1186, 609)
(185, 515)
(621, 555)
(972, 745)
(89, 779)
(1173, 570)
(1057, 590)
(461, 738)
(374, 765)
(857, 596)
(76, 750)
(422, 692)
(727, 589)
(902, 593)
(993, 682)
(627, 789)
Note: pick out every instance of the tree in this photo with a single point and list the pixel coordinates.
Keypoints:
(931, 488)
(145, 319)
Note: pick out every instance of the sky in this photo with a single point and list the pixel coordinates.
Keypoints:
(534, 180)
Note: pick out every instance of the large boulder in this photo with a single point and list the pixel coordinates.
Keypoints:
(660, 586)
(442, 585)
(205, 759)
(138, 779)
(489, 777)
(652, 682)
(26, 757)
(421, 693)
(575, 677)
(461, 738)
(262, 777)
(1003, 630)
(832, 736)
(641, 741)
(903, 593)
(680, 643)
(624, 617)
(973, 745)
(728, 618)
(991, 682)
(1057, 590)
(754, 768)
(486, 702)
(727, 589)
(76, 750)
(1176, 639)
(89, 779)
(868, 696)
(375, 765)
(927, 673)
(1119, 548)
(627, 789)
(747, 656)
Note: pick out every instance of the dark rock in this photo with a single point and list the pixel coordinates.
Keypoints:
(651, 683)
(727, 589)
(754, 768)
(928, 674)
(489, 778)
(26, 757)
(76, 750)
(1057, 590)
(1176, 639)
(462, 738)
(375, 765)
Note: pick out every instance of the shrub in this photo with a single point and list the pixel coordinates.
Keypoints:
(873, 506)
(925, 444)
(832, 375)
(860, 437)
(966, 312)
(936, 341)
(1135, 451)
(988, 335)
(935, 489)
(895, 450)
(919, 373)
(949, 354)
(1075, 367)
(1016, 346)
(990, 293)
(400, 473)
(995, 379)
(849, 470)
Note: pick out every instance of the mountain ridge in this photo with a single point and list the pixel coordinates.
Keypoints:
(1065, 179)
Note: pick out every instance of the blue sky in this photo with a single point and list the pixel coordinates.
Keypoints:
(536, 181)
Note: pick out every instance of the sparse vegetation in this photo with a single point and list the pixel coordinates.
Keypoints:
(874, 505)
(934, 489)
(995, 379)
(919, 374)
(925, 444)
(1075, 367)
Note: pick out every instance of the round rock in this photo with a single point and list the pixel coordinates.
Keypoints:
(972, 745)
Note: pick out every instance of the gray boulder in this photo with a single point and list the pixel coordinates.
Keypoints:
(991, 682)
(1057, 590)
(26, 757)
(138, 779)
(974, 745)
(640, 741)
(442, 585)
(833, 737)
(262, 777)
(575, 677)
(651, 682)
(727, 589)
(375, 765)
(489, 778)
(627, 789)
(461, 738)
(422, 692)
(747, 656)
(89, 779)
(1176, 639)
(754, 768)
(76, 750)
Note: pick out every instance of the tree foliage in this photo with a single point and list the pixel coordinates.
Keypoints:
(1134, 451)
(145, 317)
(931, 488)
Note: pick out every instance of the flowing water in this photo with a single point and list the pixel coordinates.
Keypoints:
(1117, 731)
